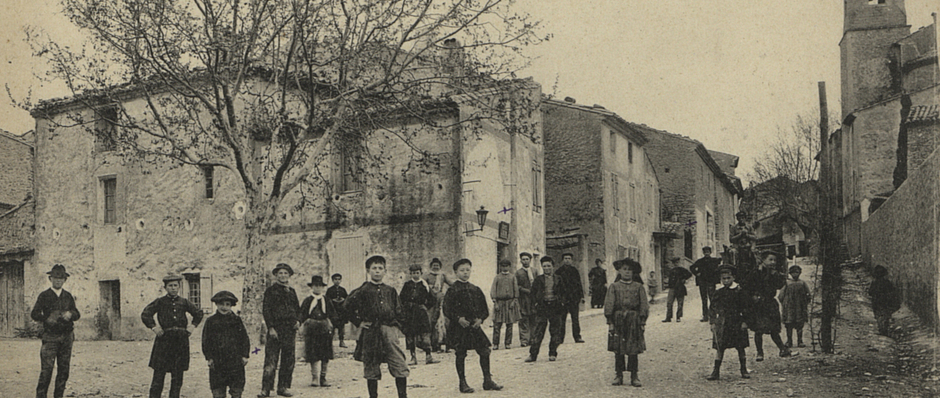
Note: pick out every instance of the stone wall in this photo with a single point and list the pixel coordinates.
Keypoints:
(15, 170)
(904, 236)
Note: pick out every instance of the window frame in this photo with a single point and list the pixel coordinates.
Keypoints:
(109, 203)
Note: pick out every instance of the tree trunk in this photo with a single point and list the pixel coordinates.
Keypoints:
(255, 272)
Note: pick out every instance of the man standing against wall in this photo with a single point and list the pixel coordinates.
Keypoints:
(55, 310)
(524, 277)
(705, 270)
(570, 277)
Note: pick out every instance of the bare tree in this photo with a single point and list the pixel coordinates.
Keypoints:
(267, 88)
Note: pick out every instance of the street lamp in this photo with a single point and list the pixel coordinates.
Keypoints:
(481, 219)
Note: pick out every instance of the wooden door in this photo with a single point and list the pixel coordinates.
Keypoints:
(12, 308)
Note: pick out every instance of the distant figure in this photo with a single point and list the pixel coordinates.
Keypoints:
(570, 278)
(597, 278)
(226, 347)
(728, 312)
(505, 295)
(653, 286)
(337, 294)
(171, 346)
(705, 270)
(884, 299)
(742, 243)
(626, 308)
(677, 291)
(794, 302)
(55, 310)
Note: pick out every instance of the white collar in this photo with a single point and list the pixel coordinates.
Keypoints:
(376, 283)
(734, 285)
(58, 292)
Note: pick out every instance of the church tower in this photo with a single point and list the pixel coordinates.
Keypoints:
(871, 27)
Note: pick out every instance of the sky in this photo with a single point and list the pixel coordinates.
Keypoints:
(728, 73)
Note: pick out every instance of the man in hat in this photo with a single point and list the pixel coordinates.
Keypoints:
(570, 278)
(437, 283)
(171, 346)
(705, 270)
(281, 312)
(226, 347)
(525, 275)
(55, 310)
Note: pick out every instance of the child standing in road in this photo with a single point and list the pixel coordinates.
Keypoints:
(171, 346)
(226, 347)
(337, 294)
(794, 301)
(626, 309)
(726, 316)
(465, 306)
(505, 295)
(653, 286)
(415, 299)
(375, 308)
(315, 314)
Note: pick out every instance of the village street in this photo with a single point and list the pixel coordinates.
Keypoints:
(678, 358)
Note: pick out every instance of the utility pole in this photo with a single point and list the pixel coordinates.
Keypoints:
(827, 258)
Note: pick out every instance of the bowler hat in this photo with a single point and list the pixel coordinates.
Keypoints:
(282, 266)
(316, 280)
(172, 278)
(58, 271)
(225, 295)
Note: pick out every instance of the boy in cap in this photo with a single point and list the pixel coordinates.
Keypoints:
(171, 346)
(281, 312)
(415, 299)
(729, 307)
(465, 306)
(375, 308)
(226, 347)
(548, 300)
(315, 313)
(55, 310)
(337, 294)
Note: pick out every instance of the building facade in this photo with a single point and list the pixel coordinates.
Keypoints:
(17, 218)
(602, 194)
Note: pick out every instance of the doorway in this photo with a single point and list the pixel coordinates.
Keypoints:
(108, 320)
(12, 310)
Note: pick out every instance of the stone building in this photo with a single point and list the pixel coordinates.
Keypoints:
(16, 229)
(602, 194)
(699, 198)
(883, 165)
(120, 222)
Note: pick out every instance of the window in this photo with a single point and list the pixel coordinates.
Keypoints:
(615, 193)
(709, 225)
(633, 211)
(198, 290)
(193, 288)
(613, 142)
(109, 186)
(209, 173)
(106, 128)
(688, 244)
(349, 177)
(630, 152)
(536, 186)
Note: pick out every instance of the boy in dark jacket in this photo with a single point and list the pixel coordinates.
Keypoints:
(226, 347)
(281, 312)
(415, 299)
(466, 308)
(375, 308)
(548, 295)
(55, 310)
(337, 294)
(727, 313)
(884, 299)
(171, 346)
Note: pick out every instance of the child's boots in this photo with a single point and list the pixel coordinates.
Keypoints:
(414, 359)
(618, 380)
(323, 382)
(635, 380)
(314, 372)
(429, 359)
(490, 385)
(716, 371)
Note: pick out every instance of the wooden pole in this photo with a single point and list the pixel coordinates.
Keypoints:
(830, 295)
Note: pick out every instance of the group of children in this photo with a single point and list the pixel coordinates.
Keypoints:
(381, 313)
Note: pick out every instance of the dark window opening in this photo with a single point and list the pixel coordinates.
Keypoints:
(110, 191)
(349, 165)
(209, 173)
(106, 129)
(630, 152)
(536, 186)
(688, 244)
(194, 291)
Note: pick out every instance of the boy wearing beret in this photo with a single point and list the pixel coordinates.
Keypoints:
(171, 346)
(281, 312)
(55, 310)
(226, 347)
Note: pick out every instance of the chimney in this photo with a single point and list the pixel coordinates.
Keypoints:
(570, 100)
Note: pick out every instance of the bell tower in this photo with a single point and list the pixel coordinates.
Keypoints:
(870, 28)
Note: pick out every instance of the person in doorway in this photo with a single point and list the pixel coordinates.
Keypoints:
(415, 299)
(677, 291)
(626, 309)
(794, 301)
(55, 310)
(226, 347)
(171, 346)
(281, 312)
(705, 270)
(376, 309)
(597, 278)
(570, 278)
(761, 284)
(337, 295)
(315, 314)
(525, 275)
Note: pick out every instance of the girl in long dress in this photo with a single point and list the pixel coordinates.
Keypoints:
(626, 308)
